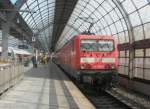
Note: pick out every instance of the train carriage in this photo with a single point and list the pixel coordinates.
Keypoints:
(90, 58)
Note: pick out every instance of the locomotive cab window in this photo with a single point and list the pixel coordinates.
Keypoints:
(97, 45)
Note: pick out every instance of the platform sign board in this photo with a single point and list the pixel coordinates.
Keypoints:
(22, 46)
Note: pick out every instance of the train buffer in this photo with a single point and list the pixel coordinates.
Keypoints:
(45, 87)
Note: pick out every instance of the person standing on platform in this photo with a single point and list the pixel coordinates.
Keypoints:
(34, 61)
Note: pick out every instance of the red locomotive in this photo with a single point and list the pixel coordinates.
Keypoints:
(90, 58)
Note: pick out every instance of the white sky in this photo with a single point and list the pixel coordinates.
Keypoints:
(13, 1)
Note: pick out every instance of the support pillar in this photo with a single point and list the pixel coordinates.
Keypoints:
(5, 35)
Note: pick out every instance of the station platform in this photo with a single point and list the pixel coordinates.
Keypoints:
(45, 87)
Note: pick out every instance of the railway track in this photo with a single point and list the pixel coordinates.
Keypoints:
(103, 99)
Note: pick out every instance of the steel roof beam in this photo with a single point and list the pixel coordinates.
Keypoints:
(22, 28)
(62, 15)
(14, 25)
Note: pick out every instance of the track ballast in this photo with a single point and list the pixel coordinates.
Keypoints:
(102, 99)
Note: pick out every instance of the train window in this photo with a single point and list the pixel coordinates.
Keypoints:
(88, 45)
(97, 45)
(105, 45)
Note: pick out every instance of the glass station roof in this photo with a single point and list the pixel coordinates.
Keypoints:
(126, 20)
(41, 15)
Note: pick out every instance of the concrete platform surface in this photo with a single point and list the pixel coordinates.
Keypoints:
(64, 93)
(31, 93)
(45, 87)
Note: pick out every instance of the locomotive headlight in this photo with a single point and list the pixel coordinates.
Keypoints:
(108, 60)
(113, 66)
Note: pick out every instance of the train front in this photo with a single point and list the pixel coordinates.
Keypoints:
(99, 59)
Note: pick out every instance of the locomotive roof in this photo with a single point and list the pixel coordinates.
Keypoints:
(95, 36)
